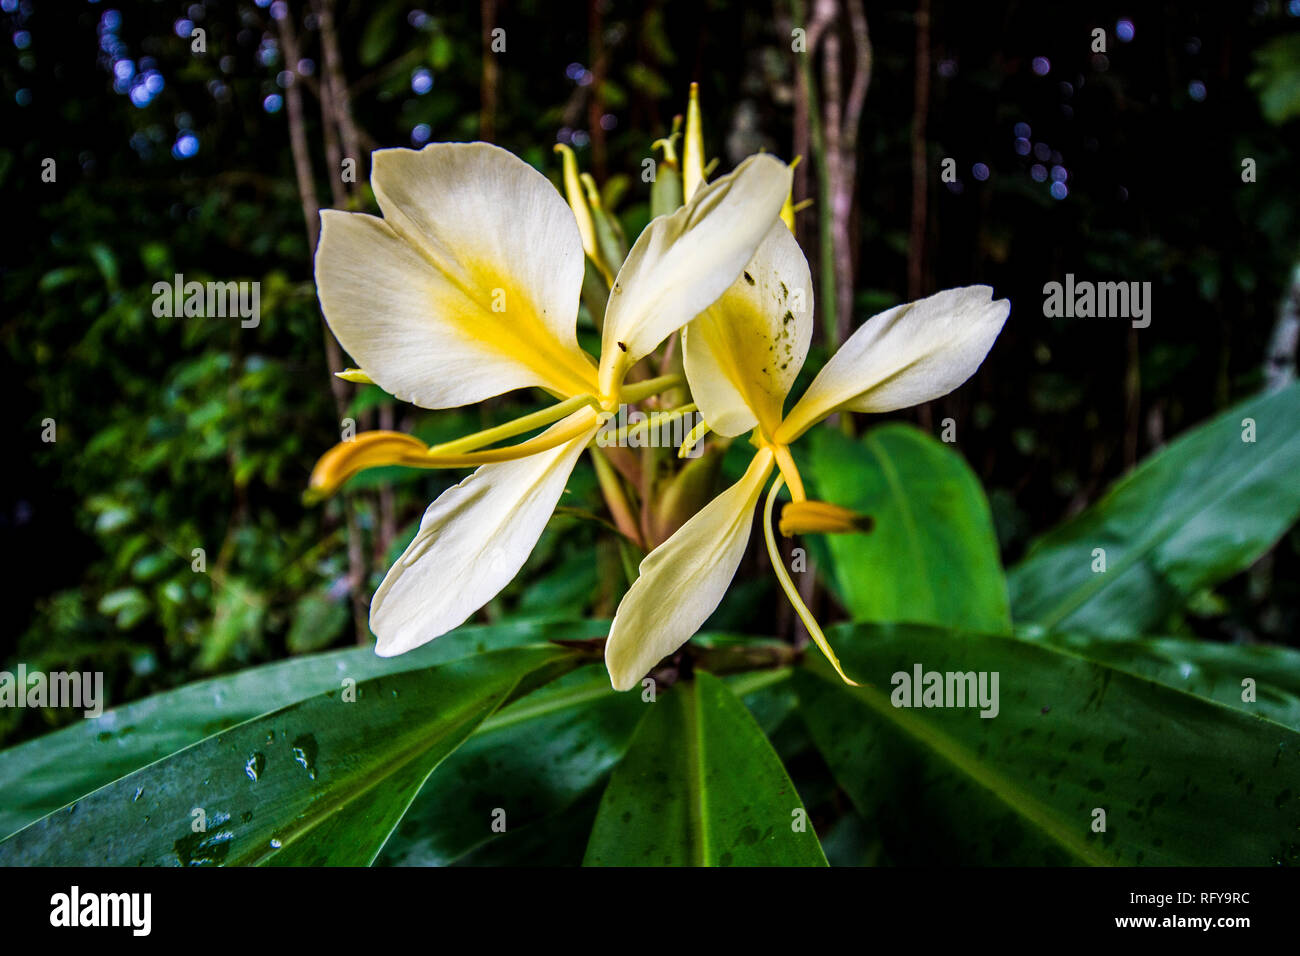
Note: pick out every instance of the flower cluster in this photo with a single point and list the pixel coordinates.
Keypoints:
(469, 287)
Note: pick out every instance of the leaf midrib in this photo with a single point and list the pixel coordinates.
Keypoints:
(1020, 803)
(344, 797)
(695, 774)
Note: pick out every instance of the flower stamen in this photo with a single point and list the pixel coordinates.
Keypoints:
(789, 471)
(821, 517)
(791, 592)
(653, 420)
(693, 438)
(525, 423)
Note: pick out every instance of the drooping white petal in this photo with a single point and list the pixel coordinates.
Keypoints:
(682, 262)
(742, 353)
(472, 542)
(683, 580)
(469, 285)
(905, 356)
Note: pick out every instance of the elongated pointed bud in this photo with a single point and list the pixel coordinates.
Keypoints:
(609, 234)
(693, 147)
(615, 499)
(684, 495)
(573, 192)
(595, 293)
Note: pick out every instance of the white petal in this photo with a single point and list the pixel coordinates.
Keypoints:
(682, 262)
(743, 352)
(905, 356)
(683, 580)
(467, 288)
(472, 542)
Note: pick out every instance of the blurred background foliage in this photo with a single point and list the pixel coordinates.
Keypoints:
(177, 434)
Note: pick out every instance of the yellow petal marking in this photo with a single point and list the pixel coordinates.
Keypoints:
(743, 353)
(481, 291)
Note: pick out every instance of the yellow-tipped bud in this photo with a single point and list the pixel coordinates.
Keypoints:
(693, 147)
(821, 517)
(788, 208)
(573, 192)
(355, 375)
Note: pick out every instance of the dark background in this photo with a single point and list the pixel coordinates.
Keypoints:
(175, 434)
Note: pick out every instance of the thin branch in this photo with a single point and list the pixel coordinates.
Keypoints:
(1279, 365)
(837, 253)
(333, 354)
(333, 154)
(862, 62)
(298, 141)
(342, 101)
(822, 16)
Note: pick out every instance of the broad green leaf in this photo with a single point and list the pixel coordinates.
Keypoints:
(535, 760)
(321, 782)
(701, 786)
(560, 839)
(565, 590)
(1204, 668)
(932, 557)
(1182, 780)
(526, 763)
(41, 775)
(1195, 513)
(767, 694)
